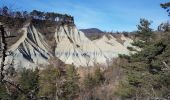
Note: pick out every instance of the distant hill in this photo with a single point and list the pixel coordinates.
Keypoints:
(91, 30)
(93, 33)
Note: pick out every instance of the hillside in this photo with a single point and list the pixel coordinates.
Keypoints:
(91, 30)
(45, 57)
(36, 41)
(93, 33)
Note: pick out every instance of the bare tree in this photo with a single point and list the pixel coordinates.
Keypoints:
(4, 49)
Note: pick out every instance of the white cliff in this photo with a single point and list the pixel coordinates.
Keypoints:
(72, 47)
(30, 50)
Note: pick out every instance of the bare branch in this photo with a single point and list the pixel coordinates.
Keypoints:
(166, 65)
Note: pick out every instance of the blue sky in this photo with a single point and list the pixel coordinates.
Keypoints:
(107, 15)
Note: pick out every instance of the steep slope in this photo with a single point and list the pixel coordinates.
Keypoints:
(128, 43)
(110, 47)
(30, 50)
(71, 46)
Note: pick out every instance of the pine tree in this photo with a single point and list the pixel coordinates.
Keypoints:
(3, 93)
(49, 82)
(89, 82)
(70, 87)
(99, 78)
(29, 81)
(144, 29)
(166, 6)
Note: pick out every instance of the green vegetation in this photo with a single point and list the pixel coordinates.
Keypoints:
(70, 87)
(147, 72)
(3, 93)
(144, 75)
(29, 81)
(166, 6)
(131, 49)
(35, 14)
(51, 83)
(48, 81)
(97, 79)
(139, 43)
(144, 30)
(60, 84)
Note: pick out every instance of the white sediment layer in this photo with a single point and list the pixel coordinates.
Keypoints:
(30, 50)
(72, 47)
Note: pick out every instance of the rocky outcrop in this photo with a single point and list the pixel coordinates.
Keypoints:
(71, 46)
(30, 50)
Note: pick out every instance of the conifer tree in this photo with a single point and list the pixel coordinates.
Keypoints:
(166, 6)
(70, 87)
(144, 29)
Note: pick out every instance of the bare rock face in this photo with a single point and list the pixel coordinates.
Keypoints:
(30, 50)
(69, 45)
